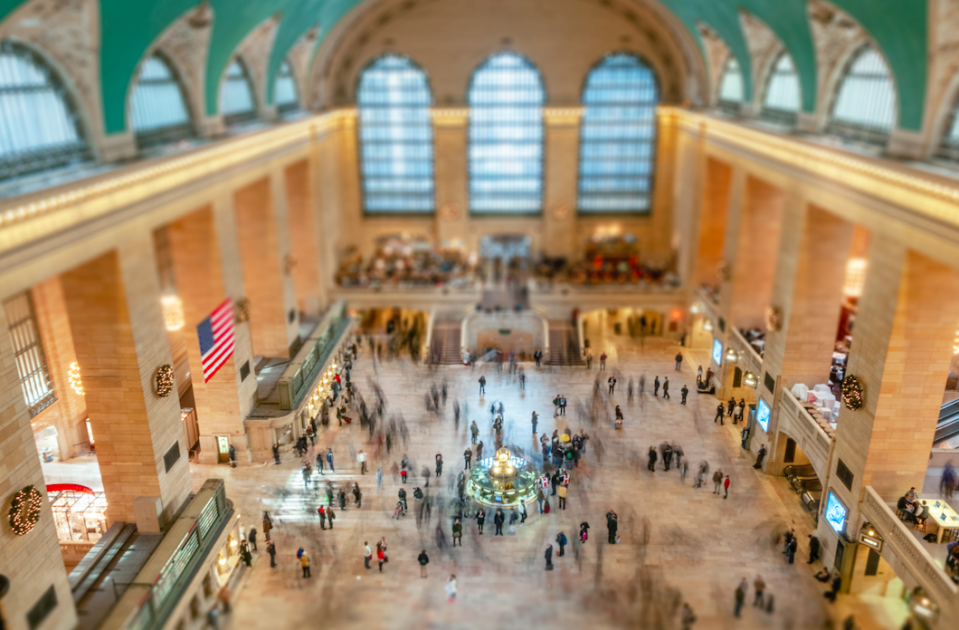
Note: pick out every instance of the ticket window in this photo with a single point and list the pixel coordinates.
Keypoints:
(222, 449)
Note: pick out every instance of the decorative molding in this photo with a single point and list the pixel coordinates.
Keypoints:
(560, 212)
(449, 212)
(560, 116)
(774, 319)
(289, 264)
(724, 270)
(449, 116)
(241, 310)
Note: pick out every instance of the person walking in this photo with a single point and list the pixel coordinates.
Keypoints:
(498, 519)
(245, 553)
(379, 478)
(271, 549)
(457, 532)
(730, 404)
(602, 362)
(252, 538)
(561, 541)
(482, 384)
(759, 585)
(468, 457)
(330, 516)
(651, 466)
(540, 497)
(726, 487)
(451, 589)
(612, 384)
(305, 564)
(380, 555)
(583, 532)
(760, 457)
(480, 519)
(474, 432)
(688, 617)
(439, 465)
(361, 457)
(717, 481)
(679, 361)
(656, 387)
(424, 560)
(740, 596)
(367, 554)
(719, 414)
(329, 459)
(612, 526)
(357, 496)
(267, 525)
(561, 491)
(232, 457)
(548, 554)
(321, 514)
(791, 550)
(276, 454)
(665, 388)
(535, 421)
(685, 392)
(813, 549)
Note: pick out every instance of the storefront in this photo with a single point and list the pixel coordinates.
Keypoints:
(79, 515)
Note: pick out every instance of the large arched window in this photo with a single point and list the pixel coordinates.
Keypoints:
(284, 90)
(865, 105)
(396, 137)
(38, 126)
(159, 110)
(236, 94)
(781, 100)
(731, 86)
(506, 99)
(618, 136)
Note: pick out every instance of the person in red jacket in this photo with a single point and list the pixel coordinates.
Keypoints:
(726, 487)
(380, 555)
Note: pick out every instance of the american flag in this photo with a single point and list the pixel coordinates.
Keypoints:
(216, 338)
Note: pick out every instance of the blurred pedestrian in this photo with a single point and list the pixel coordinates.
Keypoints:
(740, 596)
(424, 560)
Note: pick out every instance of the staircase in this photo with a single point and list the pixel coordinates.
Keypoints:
(445, 342)
(563, 345)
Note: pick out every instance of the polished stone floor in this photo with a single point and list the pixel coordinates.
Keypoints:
(677, 543)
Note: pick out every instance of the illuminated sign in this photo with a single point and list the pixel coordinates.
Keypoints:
(762, 414)
(835, 513)
(717, 352)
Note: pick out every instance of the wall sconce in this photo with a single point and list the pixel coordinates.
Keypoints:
(731, 355)
(750, 380)
(708, 325)
(172, 307)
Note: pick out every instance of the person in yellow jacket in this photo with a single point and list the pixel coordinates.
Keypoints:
(305, 563)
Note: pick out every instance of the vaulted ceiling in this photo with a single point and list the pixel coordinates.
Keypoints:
(130, 27)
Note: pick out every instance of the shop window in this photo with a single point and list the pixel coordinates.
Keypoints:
(865, 105)
(28, 351)
(158, 109)
(236, 94)
(617, 142)
(506, 98)
(284, 90)
(40, 128)
(396, 137)
(731, 87)
(782, 96)
(738, 378)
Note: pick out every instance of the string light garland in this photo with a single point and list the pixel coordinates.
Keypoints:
(164, 381)
(76, 383)
(852, 392)
(25, 510)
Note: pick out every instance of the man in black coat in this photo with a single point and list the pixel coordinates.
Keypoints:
(612, 524)
(498, 521)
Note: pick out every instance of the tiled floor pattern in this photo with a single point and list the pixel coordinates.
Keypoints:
(677, 543)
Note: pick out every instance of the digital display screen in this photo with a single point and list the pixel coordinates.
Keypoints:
(717, 352)
(762, 414)
(835, 513)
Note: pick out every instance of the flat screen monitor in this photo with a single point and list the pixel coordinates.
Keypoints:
(835, 513)
(717, 352)
(762, 414)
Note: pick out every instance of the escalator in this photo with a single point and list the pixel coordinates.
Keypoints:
(947, 429)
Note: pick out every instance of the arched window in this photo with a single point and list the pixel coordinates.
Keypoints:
(284, 90)
(618, 136)
(396, 137)
(781, 100)
(865, 105)
(506, 99)
(236, 94)
(159, 111)
(731, 86)
(38, 125)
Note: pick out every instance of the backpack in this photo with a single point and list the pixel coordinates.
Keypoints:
(546, 507)
(562, 539)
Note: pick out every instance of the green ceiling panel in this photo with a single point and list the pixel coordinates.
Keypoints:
(899, 28)
(128, 30)
(7, 7)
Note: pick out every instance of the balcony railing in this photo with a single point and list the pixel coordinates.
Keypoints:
(308, 363)
(912, 563)
(812, 437)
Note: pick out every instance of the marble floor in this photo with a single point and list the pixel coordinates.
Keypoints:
(677, 543)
